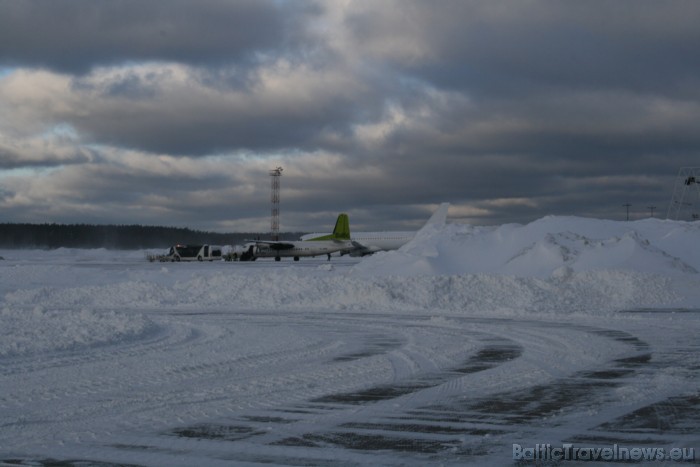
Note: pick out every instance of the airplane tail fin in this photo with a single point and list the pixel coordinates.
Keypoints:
(439, 216)
(340, 232)
(342, 228)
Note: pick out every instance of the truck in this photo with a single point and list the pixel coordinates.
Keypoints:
(193, 253)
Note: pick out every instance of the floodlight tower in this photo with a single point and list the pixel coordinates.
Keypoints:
(275, 175)
(686, 193)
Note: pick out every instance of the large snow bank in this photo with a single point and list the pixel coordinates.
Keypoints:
(591, 292)
(549, 247)
(555, 264)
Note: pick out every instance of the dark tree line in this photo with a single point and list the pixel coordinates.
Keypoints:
(125, 237)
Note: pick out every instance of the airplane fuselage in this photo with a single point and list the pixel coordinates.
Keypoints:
(372, 242)
(299, 249)
(382, 241)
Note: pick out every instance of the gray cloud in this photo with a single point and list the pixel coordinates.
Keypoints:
(76, 35)
(497, 47)
(175, 108)
(54, 150)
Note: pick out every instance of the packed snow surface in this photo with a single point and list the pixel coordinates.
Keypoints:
(465, 341)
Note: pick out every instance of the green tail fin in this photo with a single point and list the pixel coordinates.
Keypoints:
(340, 232)
(342, 228)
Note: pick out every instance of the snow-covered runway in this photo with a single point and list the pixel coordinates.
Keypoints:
(314, 388)
(106, 358)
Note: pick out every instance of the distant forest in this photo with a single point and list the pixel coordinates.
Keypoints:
(118, 237)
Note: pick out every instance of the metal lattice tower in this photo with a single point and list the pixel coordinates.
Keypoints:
(275, 175)
(685, 201)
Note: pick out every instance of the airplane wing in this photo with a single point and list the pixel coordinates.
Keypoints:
(362, 250)
(359, 246)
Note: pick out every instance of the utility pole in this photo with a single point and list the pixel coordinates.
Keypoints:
(651, 210)
(627, 205)
(275, 175)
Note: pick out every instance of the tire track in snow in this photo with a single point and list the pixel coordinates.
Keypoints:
(397, 417)
(374, 387)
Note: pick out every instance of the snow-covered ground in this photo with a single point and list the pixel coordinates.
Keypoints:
(449, 351)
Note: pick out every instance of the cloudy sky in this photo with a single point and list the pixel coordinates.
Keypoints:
(173, 112)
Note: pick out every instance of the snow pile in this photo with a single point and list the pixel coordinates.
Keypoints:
(555, 264)
(39, 330)
(244, 287)
(550, 247)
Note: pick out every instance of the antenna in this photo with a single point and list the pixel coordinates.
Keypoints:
(275, 175)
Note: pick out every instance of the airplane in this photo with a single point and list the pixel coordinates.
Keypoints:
(366, 243)
(338, 241)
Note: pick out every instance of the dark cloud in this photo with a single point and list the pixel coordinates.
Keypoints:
(280, 108)
(76, 35)
(514, 47)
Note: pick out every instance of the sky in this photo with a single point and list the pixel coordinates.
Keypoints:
(173, 112)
